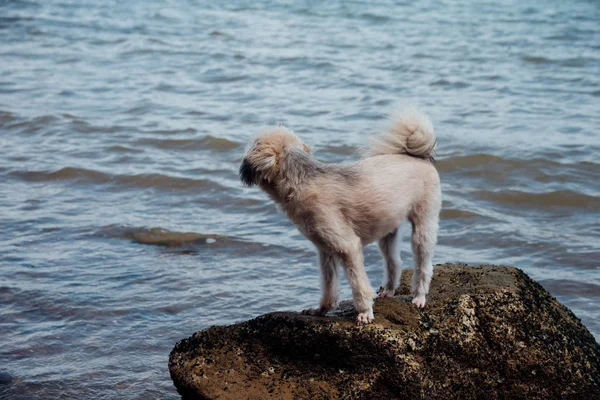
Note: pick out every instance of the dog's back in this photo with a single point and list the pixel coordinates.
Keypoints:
(395, 180)
(376, 194)
(392, 188)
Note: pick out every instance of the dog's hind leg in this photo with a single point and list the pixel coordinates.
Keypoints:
(362, 293)
(329, 284)
(424, 237)
(389, 245)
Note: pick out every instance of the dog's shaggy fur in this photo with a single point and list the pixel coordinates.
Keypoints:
(342, 208)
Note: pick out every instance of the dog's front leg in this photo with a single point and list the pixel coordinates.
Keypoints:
(362, 293)
(329, 285)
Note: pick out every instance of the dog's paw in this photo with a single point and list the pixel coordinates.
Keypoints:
(365, 317)
(419, 301)
(315, 311)
(385, 293)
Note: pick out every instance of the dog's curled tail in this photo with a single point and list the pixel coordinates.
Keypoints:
(410, 132)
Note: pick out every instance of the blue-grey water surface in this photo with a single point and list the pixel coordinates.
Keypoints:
(117, 117)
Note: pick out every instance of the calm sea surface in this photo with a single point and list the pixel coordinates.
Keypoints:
(120, 117)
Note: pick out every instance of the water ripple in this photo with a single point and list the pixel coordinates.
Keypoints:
(122, 125)
(205, 143)
(85, 176)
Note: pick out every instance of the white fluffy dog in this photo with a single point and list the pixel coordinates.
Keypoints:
(343, 207)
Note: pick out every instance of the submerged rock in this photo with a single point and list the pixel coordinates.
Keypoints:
(163, 237)
(487, 332)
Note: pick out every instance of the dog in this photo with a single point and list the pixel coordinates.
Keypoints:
(341, 208)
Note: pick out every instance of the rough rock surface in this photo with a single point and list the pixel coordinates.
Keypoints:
(487, 332)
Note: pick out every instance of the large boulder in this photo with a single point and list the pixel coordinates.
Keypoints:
(487, 332)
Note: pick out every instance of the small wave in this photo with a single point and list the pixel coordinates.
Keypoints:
(375, 17)
(86, 176)
(208, 116)
(450, 84)
(14, 20)
(572, 287)
(42, 303)
(160, 181)
(566, 62)
(6, 117)
(139, 110)
(541, 169)
(222, 35)
(82, 126)
(555, 199)
(167, 14)
(472, 160)
(106, 42)
(68, 173)
(536, 60)
(124, 149)
(452, 213)
(41, 123)
(491, 77)
(421, 55)
(460, 162)
(205, 143)
(173, 131)
(222, 75)
(566, 36)
(29, 126)
(308, 113)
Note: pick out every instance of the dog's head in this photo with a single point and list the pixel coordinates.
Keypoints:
(267, 151)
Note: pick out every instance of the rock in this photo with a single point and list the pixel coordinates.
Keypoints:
(163, 237)
(5, 378)
(487, 332)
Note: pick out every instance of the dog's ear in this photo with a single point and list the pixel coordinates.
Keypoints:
(259, 163)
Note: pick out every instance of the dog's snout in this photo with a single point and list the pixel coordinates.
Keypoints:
(247, 173)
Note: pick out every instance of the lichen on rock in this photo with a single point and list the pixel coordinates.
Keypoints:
(487, 332)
